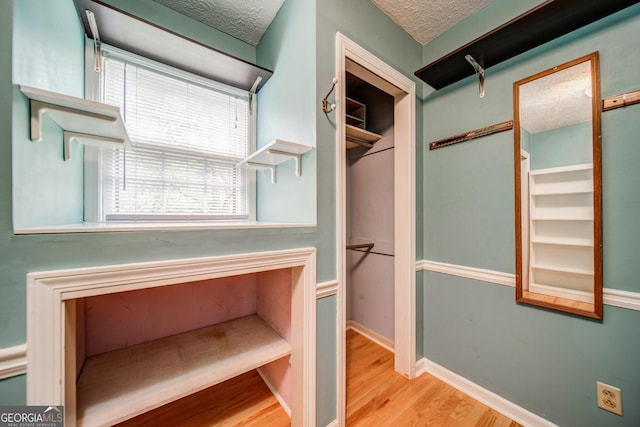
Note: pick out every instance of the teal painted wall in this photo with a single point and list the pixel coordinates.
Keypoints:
(545, 361)
(366, 25)
(286, 110)
(48, 53)
(21, 254)
(569, 145)
(327, 311)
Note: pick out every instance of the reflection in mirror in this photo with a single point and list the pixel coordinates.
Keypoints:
(558, 188)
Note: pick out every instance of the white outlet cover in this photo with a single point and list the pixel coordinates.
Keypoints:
(609, 398)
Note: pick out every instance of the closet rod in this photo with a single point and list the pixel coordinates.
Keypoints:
(360, 246)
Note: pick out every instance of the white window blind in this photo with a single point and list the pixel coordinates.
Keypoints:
(186, 134)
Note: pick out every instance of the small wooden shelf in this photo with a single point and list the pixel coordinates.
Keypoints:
(274, 153)
(564, 242)
(561, 192)
(121, 384)
(571, 271)
(562, 169)
(357, 137)
(82, 120)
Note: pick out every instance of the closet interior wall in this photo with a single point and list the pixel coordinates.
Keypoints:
(370, 216)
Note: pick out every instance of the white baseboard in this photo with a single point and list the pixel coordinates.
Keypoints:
(481, 394)
(277, 395)
(612, 297)
(13, 361)
(371, 334)
(333, 423)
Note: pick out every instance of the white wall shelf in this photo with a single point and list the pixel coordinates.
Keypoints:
(274, 153)
(121, 384)
(561, 236)
(84, 121)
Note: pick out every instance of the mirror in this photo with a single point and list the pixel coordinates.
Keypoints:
(558, 188)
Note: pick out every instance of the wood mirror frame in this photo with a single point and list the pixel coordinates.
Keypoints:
(558, 194)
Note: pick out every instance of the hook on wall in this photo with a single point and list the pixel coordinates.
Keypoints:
(325, 107)
(479, 73)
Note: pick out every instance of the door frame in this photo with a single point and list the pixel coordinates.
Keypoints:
(376, 72)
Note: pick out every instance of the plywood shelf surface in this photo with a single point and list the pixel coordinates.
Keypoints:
(362, 134)
(358, 137)
(121, 384)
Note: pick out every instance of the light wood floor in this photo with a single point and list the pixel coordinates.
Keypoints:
(376, 396)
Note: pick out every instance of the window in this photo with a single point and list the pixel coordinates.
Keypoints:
(187, 134)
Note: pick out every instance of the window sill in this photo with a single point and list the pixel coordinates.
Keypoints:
(156, 226)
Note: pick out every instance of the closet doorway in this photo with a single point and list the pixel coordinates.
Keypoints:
(375, 203)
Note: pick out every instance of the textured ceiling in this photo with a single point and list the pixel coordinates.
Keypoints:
(246, 20)
(425, 20)
(557, 100)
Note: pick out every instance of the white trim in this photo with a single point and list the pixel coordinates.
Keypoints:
(623, 299)
(108, 227)
(50, 297)
(333, 423)
(326, 289)
(13, 361)
(611, 297)
(370, 334)
(481, 394)
(275, 393)
(404, 91)
(491, 276)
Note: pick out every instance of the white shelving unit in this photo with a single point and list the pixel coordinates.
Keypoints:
(274, 153)
(561, 232)
(122, 384)
(86, 122)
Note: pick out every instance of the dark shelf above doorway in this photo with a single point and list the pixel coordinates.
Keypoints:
(547, 21)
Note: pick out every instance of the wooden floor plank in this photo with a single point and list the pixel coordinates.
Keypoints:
(379, 396)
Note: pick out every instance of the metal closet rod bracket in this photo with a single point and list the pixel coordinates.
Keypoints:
(479, 73)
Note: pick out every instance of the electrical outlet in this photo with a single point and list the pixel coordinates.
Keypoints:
(609, 398)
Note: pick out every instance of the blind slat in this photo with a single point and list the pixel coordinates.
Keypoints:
(186, 140)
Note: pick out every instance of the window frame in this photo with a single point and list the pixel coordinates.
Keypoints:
(93, 156)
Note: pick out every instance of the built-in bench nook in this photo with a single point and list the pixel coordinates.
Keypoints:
(110, 343)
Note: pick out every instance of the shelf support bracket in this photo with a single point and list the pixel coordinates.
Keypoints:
(272, 168)
(295, 156)
(87, 139)
(479, 72)
(38, 109)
